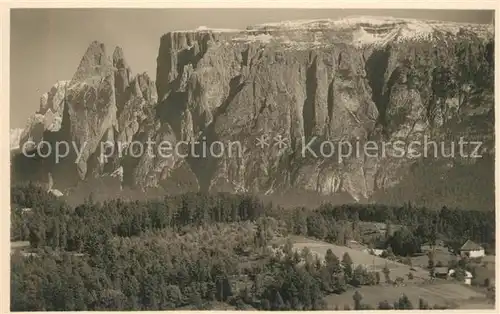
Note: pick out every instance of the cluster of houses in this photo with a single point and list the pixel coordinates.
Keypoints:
(445, 273)
(469, 249)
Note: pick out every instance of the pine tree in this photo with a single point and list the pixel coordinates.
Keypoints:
(347, 265)
(431, 265)
(340, 284)
(388, 230)
(359, 276)
(404, 303)
(278, 303)
(357, 297)
(422, 304)
(265, 304)
(387, 273)
(384, 305)
(332, 262)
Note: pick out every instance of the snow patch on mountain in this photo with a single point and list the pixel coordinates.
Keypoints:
(208, 29)
(265, 38)
(54, 99)
(377, 30)
(56, 192)
(367, 21)
(15, 137)
(356, 30)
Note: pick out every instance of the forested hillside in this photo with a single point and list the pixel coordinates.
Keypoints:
(199, 251)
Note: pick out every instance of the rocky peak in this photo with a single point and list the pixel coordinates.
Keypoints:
(84, 112)
(15, 137)
(351, 79)
(94, 63)
(337, 79)
(118, 58)
(377, 30)
(53, 100)
(123, 75)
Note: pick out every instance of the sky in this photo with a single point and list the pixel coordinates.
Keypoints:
(47, 44)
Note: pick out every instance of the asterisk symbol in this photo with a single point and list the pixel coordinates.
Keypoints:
(280, 141)
(262, 141)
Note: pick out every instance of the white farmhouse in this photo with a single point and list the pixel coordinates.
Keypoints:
(467, 277)
(376, 252)
(471, 249)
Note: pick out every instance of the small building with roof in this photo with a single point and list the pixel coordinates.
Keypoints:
(471, 249)
(467, 276)
(441, 272)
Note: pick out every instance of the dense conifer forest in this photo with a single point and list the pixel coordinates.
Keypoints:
(197, 251)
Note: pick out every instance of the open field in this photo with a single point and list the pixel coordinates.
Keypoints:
(441, 254)
(452, 294)
(19, 244)
(488, 262)
(489, 259)
(484, 270)
(371, 262)
(376, 228)
(439, 292)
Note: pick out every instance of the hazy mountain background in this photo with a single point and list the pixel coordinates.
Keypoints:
(369, 78)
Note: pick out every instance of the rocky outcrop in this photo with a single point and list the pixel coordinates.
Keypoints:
(15, 138)
(300, 84)
(336, 80)
(47, 118)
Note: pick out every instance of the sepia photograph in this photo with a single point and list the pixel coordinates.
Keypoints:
(258, 159)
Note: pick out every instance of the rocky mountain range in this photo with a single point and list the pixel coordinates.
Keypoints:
(355, 79)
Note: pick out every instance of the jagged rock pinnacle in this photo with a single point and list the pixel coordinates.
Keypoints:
(93, 63)
(355, 79)
(118, 58)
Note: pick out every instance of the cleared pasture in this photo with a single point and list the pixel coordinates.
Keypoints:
(19, 244)
(452, 294)
(371, 262)
(441, 255)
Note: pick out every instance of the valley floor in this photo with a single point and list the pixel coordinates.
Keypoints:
(441, 292)
(454, 295)
(359, 257)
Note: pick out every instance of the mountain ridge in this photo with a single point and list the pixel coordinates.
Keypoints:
(365, 29)
(294, 82)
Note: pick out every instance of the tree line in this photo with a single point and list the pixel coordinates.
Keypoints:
(192, 250)
(417, 225)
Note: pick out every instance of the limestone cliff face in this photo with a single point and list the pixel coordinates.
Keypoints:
(355, 80)
(48, 117)
(336, 80)
(230, 89)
